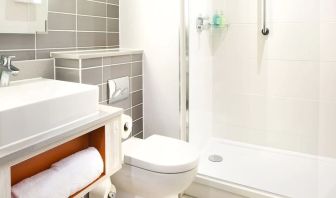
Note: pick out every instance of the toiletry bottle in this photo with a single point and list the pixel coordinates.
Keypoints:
(216, 20)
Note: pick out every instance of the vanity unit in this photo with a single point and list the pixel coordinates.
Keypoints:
(43, 121)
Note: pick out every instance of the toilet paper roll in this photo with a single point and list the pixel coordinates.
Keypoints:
(103, 190)
(126, 122)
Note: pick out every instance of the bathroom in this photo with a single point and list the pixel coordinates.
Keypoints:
(156, 99)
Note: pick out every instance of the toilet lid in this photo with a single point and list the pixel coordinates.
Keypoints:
(160, 154)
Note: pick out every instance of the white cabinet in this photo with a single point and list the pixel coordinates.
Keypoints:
(23, 16)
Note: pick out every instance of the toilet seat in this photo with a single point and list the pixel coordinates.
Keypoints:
(160, 154)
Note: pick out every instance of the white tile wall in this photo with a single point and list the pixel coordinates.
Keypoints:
(293, 41)
(278, 91)
(294, 11)
(327, 10)
(293, 79)
(328, 41)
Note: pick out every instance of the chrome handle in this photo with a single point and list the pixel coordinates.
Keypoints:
(9, 62)
(265, 31)
(6, 62)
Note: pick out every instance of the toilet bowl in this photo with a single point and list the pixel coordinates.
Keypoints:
(157, 167)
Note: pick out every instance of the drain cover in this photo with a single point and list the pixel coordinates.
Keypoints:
(215, 158)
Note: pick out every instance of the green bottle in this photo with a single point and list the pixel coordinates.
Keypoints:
(217, 19)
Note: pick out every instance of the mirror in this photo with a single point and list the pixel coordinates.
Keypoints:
(23, 16)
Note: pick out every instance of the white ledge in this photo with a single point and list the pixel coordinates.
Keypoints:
(87, 54)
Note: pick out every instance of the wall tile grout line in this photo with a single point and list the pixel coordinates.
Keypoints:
(76, 23)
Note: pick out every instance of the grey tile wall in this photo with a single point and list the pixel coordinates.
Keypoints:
(34, 69)
(72, 24)
(97, 71)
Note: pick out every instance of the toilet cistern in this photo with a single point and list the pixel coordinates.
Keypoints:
(7, 69)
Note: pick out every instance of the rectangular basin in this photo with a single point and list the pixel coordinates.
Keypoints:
(33, 107)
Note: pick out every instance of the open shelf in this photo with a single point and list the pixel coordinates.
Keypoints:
(43, 161)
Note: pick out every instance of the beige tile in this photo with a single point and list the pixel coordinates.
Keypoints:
(136, 83)
(85, 23)
(56, 40)
(112, 39)
(17, 41)
(35, 69)
(137, 127)
(67, 6)
(116, 60)
(137, 98)
(137, 112)
(58, 21)
(71, 63)
(137, 57)
(113, 25)
(139, 135)
(92, 62)
(90, 39)
(113, 1)
(112, 11)
(20, 55)
(92, 76)
(91, 8)
(116, 71)
(70, 75)
(136, 68)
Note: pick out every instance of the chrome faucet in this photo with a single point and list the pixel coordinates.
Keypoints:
(7, 69)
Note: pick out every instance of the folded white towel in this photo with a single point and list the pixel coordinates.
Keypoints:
(81, 168)
(64, 178)
(48, 183)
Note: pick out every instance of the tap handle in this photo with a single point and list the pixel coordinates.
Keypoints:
(6, 60)
(11, 57)
(9, 60)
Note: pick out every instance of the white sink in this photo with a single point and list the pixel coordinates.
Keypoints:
(33, 107)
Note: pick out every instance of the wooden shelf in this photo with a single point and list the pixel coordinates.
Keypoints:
(43, 161)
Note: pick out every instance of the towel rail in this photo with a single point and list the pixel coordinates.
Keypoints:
(265, 31)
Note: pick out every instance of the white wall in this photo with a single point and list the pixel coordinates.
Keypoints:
(279, 90)
(327, 74)
(153, 26)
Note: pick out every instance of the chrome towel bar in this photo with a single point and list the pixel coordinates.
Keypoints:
(265, 31)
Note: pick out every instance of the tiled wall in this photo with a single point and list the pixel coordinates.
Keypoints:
(72, 24)
(98, 71)
(278, 90)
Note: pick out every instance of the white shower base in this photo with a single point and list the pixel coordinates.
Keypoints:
(255, 171)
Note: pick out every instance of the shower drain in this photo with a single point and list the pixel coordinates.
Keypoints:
(215, 158)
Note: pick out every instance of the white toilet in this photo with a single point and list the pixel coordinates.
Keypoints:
(157, 167)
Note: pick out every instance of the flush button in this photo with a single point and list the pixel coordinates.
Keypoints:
(118, 89)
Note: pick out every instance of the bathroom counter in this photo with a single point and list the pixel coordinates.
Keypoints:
(88, 54)
(102, 130)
